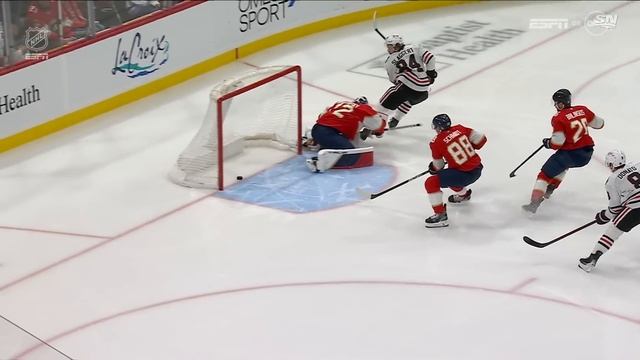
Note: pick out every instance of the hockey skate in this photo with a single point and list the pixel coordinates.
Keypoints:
(455, 198)
(312, 164)
(587, 264)
(532, 207)
(550, 189)
(393, 123)
(437, 220)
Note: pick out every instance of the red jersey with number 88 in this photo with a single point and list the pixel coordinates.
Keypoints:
(573, 123)
(455, 147)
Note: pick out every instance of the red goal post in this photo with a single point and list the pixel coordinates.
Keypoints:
(262, 107)
(286, 71)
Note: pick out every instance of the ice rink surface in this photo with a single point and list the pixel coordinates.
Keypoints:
(105, 258)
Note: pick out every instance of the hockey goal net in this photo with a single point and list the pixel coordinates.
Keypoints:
(257, 109)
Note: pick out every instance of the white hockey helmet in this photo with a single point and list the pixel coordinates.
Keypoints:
(394, 39)
(361, 100)
(615, 159)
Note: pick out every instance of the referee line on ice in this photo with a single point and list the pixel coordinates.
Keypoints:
(160, 217)
(53, 232)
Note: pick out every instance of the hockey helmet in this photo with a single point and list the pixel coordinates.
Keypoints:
(615, 159)
(562, 96)
(361, 100)
(441, 122)
(394, 39)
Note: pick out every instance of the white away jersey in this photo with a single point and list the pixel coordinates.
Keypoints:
(623, 188)
(409, 66)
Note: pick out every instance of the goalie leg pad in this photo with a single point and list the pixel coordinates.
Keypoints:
(334, 158)
(363, 160)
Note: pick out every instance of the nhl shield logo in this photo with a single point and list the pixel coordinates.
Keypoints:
(36, 39)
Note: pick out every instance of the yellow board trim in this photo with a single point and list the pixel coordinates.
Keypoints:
(180, 76)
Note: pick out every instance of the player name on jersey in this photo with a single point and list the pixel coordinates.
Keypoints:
(626, 172)
(451, 136)
(575, 114)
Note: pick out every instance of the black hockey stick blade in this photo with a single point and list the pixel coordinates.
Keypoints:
(513, 173)
(534, 243)
(375, 25)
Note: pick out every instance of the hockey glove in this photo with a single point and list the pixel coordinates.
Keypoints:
(432, 169)
(364, 134)
(432, 74)
(601, 217)
(546, 142)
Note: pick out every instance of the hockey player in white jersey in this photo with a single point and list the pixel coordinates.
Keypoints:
(411, 69)
(623, 189)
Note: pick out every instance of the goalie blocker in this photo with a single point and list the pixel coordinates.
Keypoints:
(328, 158)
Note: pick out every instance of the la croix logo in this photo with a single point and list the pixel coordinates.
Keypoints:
(139, 60)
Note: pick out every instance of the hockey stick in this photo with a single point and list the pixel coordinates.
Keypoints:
(368, 195)
(375, 25)
(513, 173)
(532, 242)
(403, 127)
(365, 133)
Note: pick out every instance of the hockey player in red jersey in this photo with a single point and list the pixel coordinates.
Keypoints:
(337, 128)
(454, 146)
(572, 142)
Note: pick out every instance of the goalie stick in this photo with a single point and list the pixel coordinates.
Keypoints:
(375, 25)
(534, 243)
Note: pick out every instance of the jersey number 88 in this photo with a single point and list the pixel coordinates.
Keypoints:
(461, 150)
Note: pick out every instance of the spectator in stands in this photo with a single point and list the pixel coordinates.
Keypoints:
(71, 23)
(135, 9)
(107, 13)
(44, 14)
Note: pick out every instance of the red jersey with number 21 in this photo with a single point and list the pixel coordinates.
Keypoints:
(573, 123)
(453, 145)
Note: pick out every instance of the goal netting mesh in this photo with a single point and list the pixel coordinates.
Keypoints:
(259, 108)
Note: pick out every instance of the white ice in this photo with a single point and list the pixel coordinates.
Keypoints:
(106, 259)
